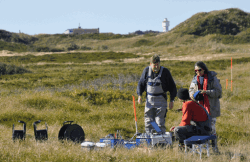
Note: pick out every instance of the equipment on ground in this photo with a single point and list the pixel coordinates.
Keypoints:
(40, 134)
(71, 132)
(142, 140)
(19, 134)
(199, 143)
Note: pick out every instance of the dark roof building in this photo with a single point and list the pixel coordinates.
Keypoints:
(79, 30)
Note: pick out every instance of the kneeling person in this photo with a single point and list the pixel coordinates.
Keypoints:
(195, 119)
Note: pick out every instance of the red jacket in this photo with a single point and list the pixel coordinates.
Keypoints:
(192, 111)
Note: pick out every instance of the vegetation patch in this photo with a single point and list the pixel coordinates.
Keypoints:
(98, 97)
(143, 42)
(70, 57)
(8, 118)
(230, 21)
(13, 46)
(10, 69)
(39, 102)
(97, 36)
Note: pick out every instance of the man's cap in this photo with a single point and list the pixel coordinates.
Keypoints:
(183, 94)
(155, 59)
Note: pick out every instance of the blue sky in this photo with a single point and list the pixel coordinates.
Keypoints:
(116, 16)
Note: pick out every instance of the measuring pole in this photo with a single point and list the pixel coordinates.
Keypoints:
(231, 74)
(135, 114)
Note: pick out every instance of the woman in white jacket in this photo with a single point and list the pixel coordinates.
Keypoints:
(209, 85)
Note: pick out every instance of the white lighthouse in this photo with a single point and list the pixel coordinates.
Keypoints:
(165, 25)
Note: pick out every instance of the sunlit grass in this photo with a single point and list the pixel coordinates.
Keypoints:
(98, 97)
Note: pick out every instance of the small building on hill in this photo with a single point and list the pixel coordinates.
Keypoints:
(79, 30)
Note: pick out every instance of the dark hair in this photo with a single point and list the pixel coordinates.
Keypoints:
(202, 65)
(183, 94)
(155, 59)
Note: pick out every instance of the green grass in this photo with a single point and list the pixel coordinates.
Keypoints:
(143, 42)
(69, 57)
(13, 47)
(98, 97)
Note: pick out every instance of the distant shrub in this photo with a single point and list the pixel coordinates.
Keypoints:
(150, 34)
(98, 36)
(143, 42)
(17, 38)
(42, 49)
(15, 47)
(5, 35)
(85, 48)
(243, 37)
(225, 39)
(11, 69)
(73, 46)
(57, 50)
(214, 24)
(104, 47)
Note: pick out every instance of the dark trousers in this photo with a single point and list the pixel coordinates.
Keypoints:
(184, 132)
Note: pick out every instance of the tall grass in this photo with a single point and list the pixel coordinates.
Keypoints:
(98, 97)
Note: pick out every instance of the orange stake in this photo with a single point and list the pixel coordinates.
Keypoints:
(231, 74)
(135, 113)
(226, 83)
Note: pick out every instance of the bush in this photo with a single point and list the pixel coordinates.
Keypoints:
(57, 50)
(85, 48)
(243, 37)
(143, 42)
(15, 47)
(214, 24)
(42, 49)
(73, 46)
(11, 69)
(104, 47)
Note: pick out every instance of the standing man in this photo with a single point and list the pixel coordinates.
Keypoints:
(156, 80)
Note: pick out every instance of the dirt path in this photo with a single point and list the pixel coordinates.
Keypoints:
(203, 57)
(8, 53)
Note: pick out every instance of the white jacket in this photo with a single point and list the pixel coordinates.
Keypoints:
(214, 92)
